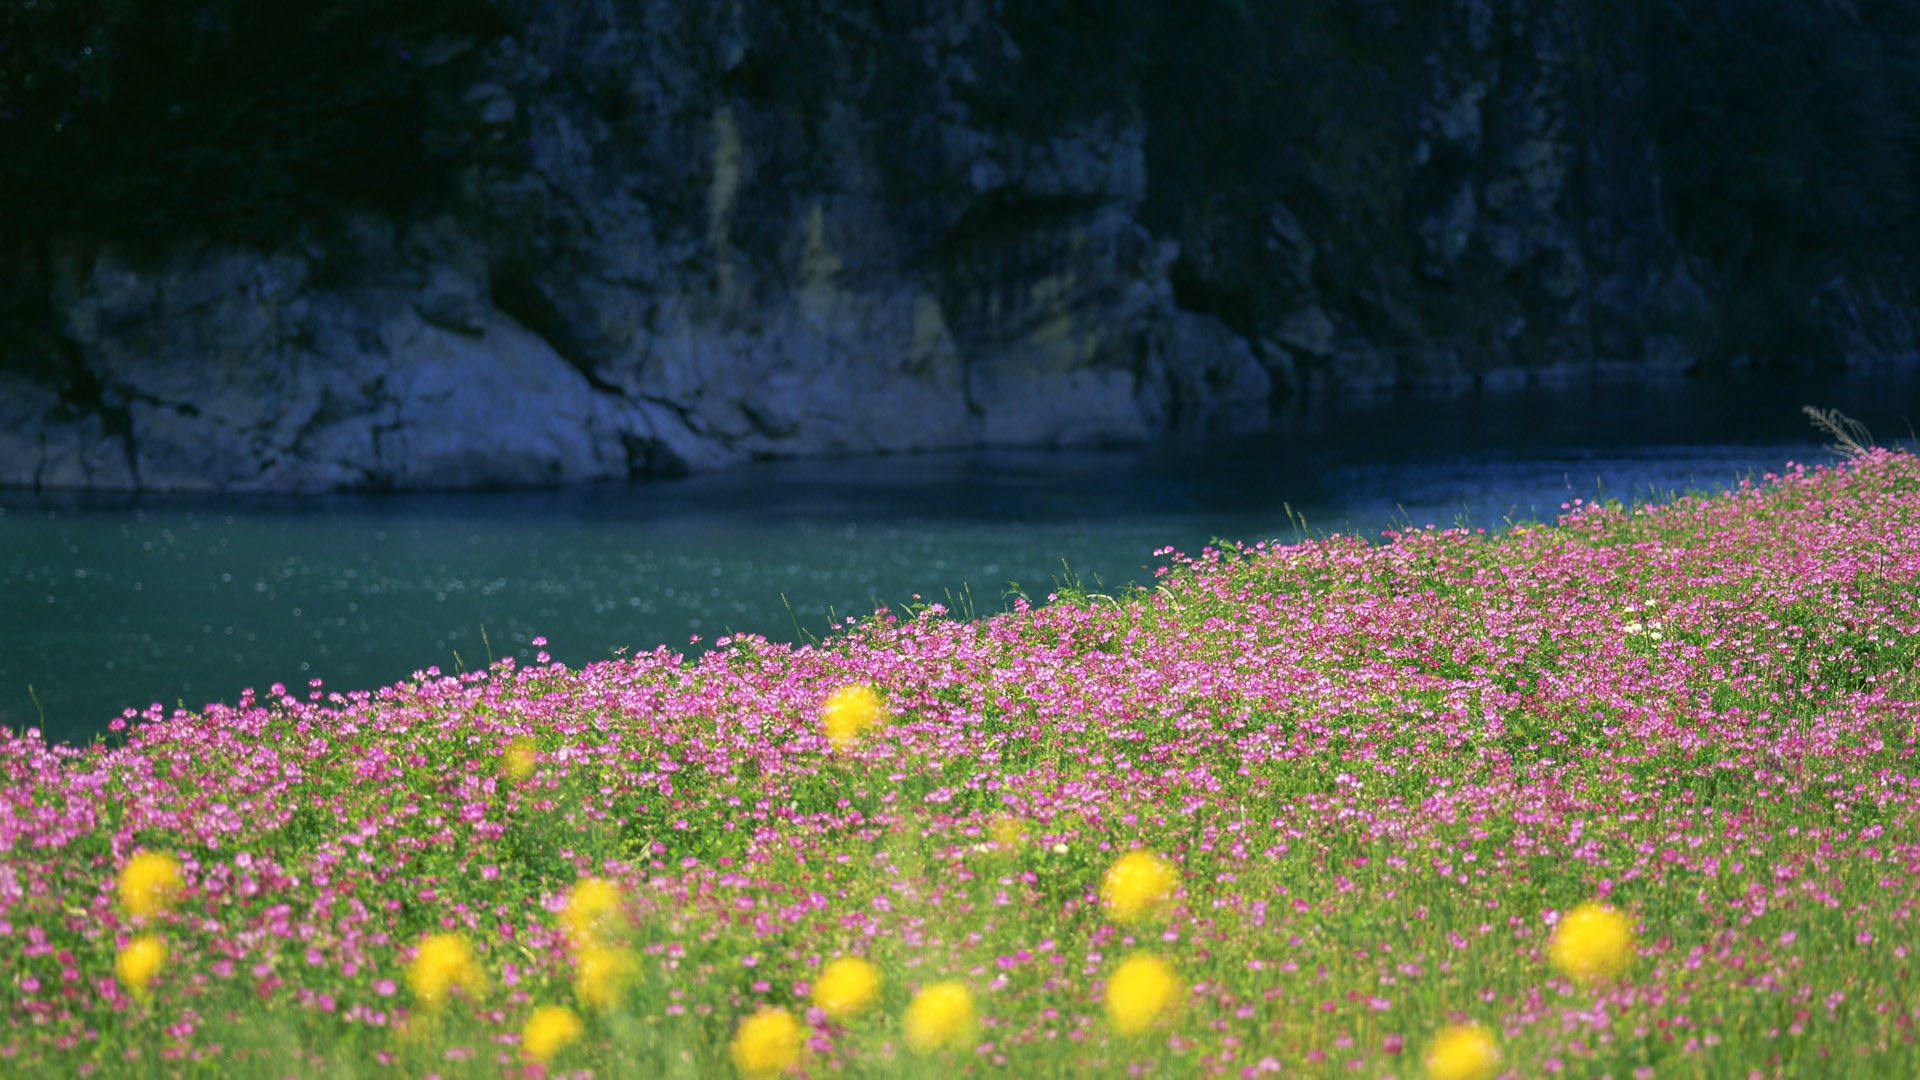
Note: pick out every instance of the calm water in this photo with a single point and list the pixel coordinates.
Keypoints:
(111, 602)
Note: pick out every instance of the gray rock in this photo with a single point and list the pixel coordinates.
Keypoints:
(500, 409)
(453, 300)
(83, 454)
(492, 104)
(1445, 235)
(1211, 365)
(26, 409)
(698, 234)
(1309, 331)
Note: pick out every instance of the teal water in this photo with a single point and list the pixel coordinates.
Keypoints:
(114, 602)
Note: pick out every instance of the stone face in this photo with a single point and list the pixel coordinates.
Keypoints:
(25, 410)
(698, 234)
(496, 409)
(1213, 373)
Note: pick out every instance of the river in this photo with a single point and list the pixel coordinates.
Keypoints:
(113, 601)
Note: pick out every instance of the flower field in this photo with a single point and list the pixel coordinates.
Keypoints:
(1633, 795)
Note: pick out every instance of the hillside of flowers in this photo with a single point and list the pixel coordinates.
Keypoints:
(1630, 795)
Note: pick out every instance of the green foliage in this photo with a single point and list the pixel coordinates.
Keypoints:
(146, 120)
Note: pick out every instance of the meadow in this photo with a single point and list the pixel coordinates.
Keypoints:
(1632, 794)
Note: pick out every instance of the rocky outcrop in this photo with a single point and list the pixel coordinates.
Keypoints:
(1509, 228)
(695, 234)
(667, 266)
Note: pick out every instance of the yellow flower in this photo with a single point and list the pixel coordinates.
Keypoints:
(519, 761)
(1008, 832)
(1136, 884)
(139, 962)
(602, 976)
(444, 962)
(1142, 991)
(768, 1043)
(1593, 941)
(548, 1030)
(849, 711)
(149, 883)
(846, 987)
(592, 913)
(940, 1015)
(1462, 1052)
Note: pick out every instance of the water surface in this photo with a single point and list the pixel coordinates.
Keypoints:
(110, 602)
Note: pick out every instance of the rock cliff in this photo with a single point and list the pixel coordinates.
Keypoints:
(694, 234)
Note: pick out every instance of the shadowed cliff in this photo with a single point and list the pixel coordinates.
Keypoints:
(432, 245)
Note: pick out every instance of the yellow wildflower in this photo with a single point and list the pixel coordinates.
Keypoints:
(519, 761)
(548, 1030)
(940, 1015)
(602, 975)
(1007, 832)
(846, 987)
(1462, 1052)
(849, 711)
(444, 962)
(592, 913)
(768, 1043)
(1593, 941)
(1136, 884)
(149, 883)
(1142, 992)
(139, 962)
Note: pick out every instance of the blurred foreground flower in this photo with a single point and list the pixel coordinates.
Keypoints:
(548, 1030)
(592, 914)
(849, 711)
(1462, 1052)
(602, 975)
(1593, 941)
(1142, 992)
(444, 962)
(1137, 883)
(519, 761)
(940, 1016)
(1008, 833)
(149, 883)
(139, 962)
(846, 987)
(768, 1043)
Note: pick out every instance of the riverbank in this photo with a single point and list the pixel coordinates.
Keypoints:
(1381, 774)
(110, 600)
